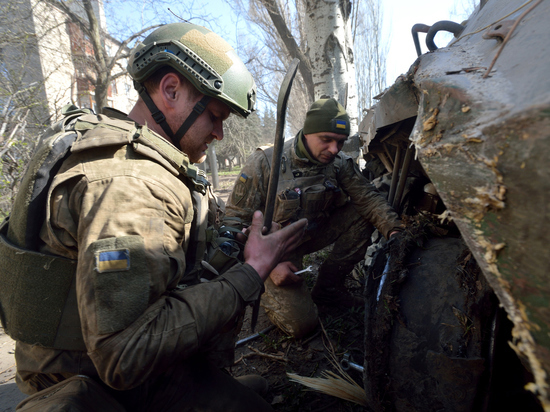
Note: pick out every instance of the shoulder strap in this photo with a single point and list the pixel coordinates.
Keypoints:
(286, 169)
(268, 152)
(164, 152)
(29, 206)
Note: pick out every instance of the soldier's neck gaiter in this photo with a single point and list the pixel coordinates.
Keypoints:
(302, 151)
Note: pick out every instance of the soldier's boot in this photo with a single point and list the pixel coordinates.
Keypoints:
(76, 394)
(255, 382)
(330, 290)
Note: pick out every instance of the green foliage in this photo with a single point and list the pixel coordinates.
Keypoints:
(274, 344)
(316, 257)
(233, 172)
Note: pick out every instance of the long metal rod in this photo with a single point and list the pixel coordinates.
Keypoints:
(403, 178)
(385, 161)
(254, 336)
(395, 174)
(423, 28)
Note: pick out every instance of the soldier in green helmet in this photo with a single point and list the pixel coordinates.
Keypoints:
(318, 182)
(108, 281)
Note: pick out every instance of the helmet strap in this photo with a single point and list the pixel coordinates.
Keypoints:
(160, 119)
(197, 111)
(157, 115)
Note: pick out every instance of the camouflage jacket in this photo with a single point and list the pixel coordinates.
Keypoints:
(124, 212)
(308, 190)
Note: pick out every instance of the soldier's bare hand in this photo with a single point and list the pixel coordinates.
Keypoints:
(264, 252)
(283, 274)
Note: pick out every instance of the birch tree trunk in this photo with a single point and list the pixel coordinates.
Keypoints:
(328, 33)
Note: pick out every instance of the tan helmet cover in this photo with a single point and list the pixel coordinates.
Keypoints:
(200, 55)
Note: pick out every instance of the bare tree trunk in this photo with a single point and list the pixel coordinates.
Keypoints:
(371, 69)
(328, 33)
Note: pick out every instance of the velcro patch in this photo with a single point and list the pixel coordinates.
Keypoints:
(239, 192)
(121, 288)
(243, 178)
(112, 260)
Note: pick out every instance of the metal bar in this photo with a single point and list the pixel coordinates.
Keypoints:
(445, 25)
(347, 363)
(254, 336)
(395, 174)
(385, 161)
(423, 28)
(402, 178)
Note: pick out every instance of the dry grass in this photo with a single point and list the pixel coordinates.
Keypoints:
(339, 385)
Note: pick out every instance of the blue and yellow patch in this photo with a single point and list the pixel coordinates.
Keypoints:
(341, 124)
(243, 178)
(113, 260)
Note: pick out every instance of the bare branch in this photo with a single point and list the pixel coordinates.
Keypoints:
(290, 43)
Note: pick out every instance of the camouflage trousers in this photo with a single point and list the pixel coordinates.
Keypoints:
(192, 385)
(291, 307)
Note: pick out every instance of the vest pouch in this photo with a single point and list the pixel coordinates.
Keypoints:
(340, 198)
(33, 284)
(287, 206)
(224, 254)
(316, 199)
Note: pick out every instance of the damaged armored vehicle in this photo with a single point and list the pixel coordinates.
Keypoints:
(458, 307)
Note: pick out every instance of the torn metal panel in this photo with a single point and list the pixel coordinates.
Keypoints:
(484, 142)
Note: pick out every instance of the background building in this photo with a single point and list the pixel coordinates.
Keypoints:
(48, 59)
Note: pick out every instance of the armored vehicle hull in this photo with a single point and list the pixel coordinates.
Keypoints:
(474, 119)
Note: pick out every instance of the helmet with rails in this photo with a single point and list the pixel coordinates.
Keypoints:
(203, 57)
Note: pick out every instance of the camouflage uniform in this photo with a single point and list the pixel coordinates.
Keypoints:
(155, 336)
(341, 206)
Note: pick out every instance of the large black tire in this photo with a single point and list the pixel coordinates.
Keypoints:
(428, 333)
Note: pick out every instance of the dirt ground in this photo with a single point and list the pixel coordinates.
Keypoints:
(271, 355)
(274, 354)
(9, 394)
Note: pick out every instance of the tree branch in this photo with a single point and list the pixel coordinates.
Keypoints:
(289, 41)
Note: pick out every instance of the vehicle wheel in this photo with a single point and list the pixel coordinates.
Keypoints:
(427, 330)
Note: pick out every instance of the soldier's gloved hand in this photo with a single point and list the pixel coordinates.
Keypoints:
(283, 274)
(264, 252)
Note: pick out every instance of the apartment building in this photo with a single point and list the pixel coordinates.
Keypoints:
(52, 57)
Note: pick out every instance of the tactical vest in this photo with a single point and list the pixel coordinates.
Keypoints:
(37, 295)
(310, 191)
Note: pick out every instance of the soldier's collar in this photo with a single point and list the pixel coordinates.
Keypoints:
(175, 157)
(115, 114)
(301, 150)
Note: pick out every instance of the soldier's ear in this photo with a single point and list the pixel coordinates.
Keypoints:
(170, 89)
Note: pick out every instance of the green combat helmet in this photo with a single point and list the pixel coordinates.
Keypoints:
(204, 58)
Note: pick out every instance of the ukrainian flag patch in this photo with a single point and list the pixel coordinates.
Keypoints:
(341, 124)
(243, 178)
(113, 260)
